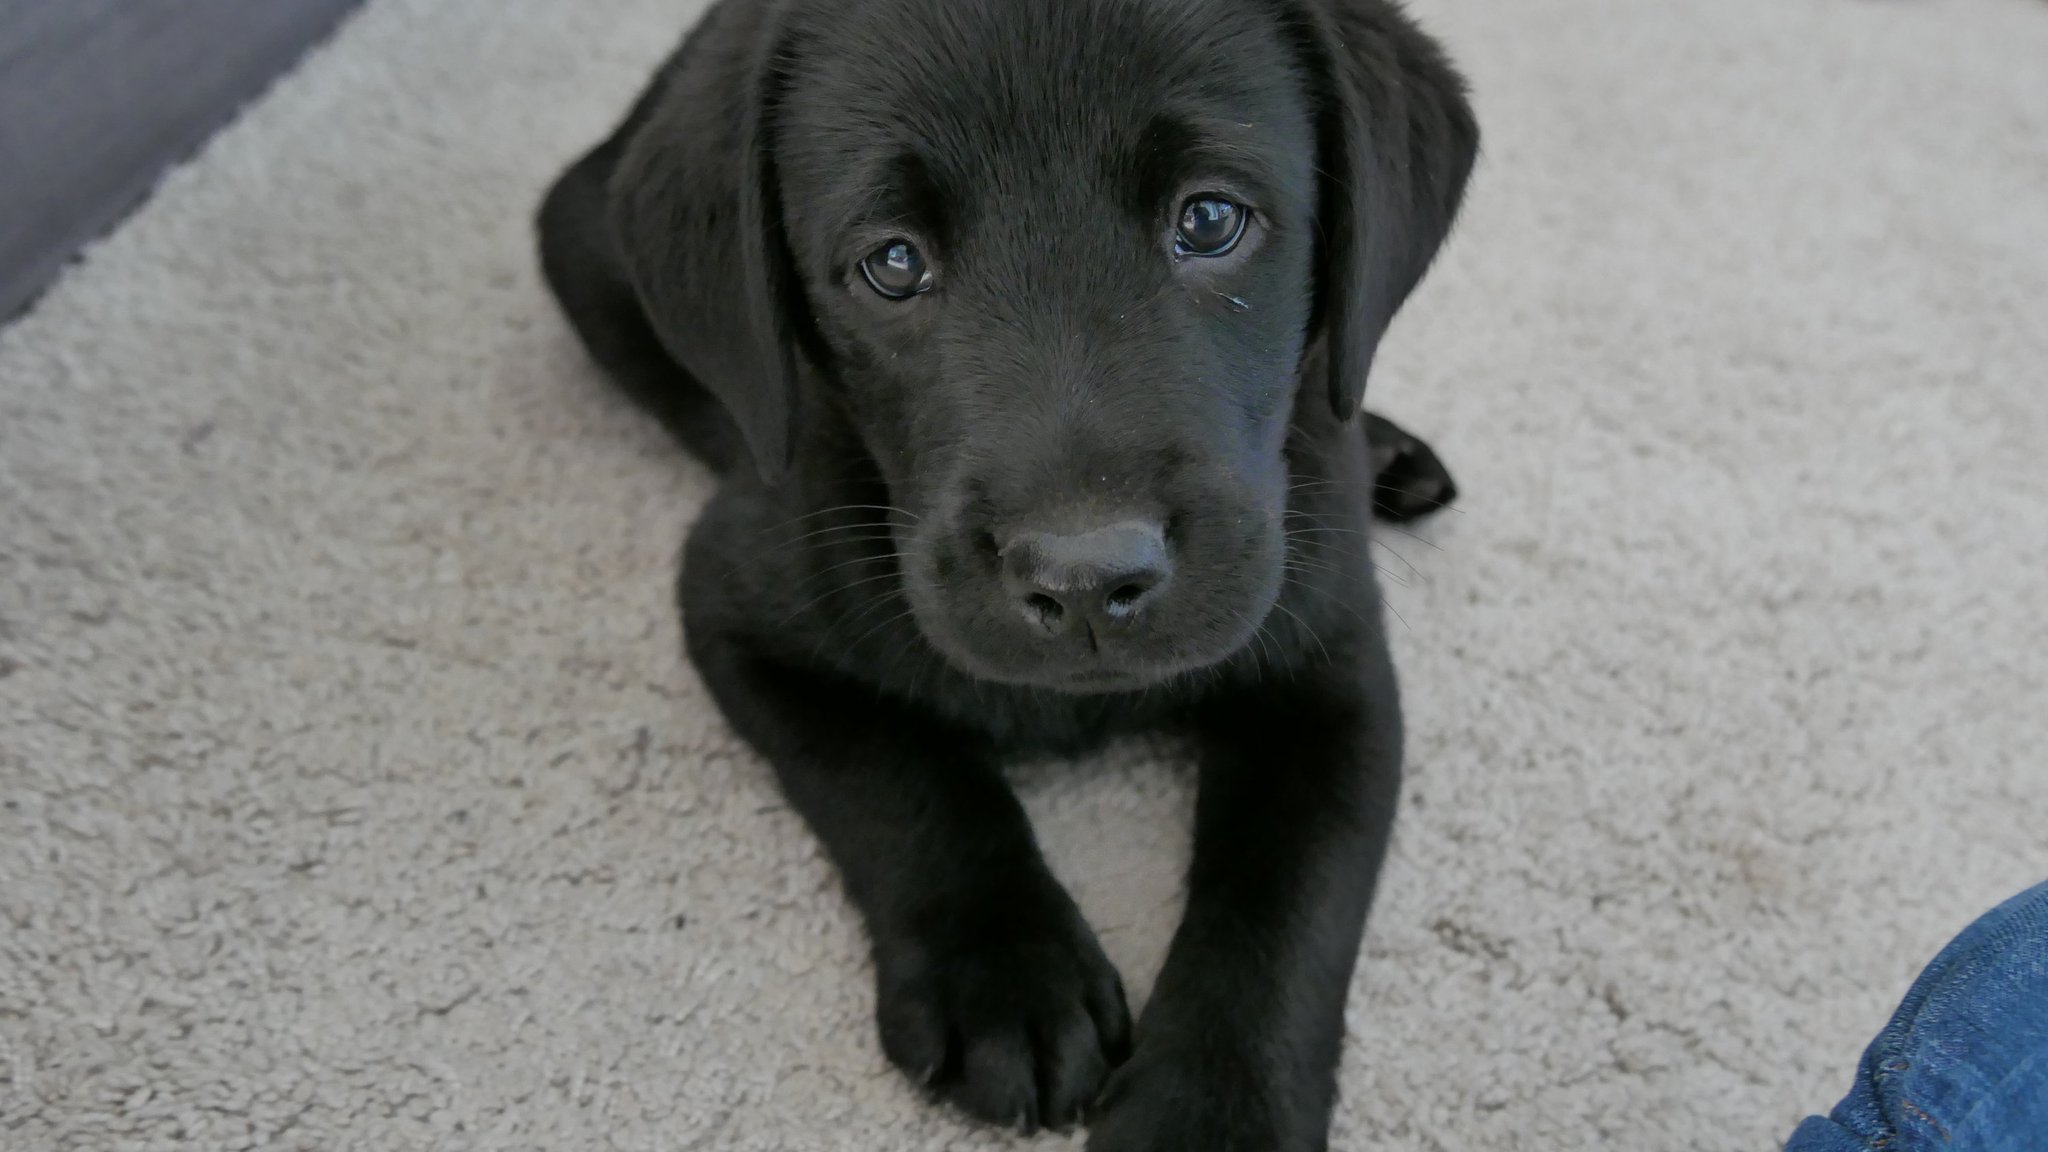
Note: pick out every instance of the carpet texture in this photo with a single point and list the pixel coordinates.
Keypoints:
(354, 792)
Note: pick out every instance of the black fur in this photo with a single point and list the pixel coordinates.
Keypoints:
(903, 481)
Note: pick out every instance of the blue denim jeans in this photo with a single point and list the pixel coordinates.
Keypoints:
(1963, 1066)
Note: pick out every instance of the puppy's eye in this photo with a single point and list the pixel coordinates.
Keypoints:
(896, 270)
(1209, 226)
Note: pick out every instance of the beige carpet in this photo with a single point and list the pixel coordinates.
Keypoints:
(356, 794)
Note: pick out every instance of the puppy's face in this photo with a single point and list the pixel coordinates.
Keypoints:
(1059, 263)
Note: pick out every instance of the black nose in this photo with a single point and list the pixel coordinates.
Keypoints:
(1100, 577)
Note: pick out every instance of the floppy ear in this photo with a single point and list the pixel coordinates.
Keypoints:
(1397, 140)
(695, 217)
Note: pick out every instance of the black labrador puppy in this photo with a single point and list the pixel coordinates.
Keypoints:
(1029, 339)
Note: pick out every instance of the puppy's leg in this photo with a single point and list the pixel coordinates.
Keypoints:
(991, 988)
(1409, 482)
(1238, 1047)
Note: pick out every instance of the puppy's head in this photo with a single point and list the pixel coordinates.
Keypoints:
(1064, 268)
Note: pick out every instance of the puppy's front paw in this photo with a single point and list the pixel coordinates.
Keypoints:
(1179, 1099)
(1004, 1005)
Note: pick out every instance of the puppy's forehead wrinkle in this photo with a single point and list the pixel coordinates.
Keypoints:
(981, 88)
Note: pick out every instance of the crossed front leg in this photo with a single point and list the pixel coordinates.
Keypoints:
(990, 988)
(1237, 1050)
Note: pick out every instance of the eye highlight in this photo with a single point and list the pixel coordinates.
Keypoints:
(1210, 225)
(896, 270)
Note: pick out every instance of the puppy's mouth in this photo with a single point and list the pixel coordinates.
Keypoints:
(1105, 680)
(1091, 674)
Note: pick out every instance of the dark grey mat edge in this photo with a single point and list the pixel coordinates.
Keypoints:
(99, 98)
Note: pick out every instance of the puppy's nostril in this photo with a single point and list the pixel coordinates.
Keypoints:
(1047, 609)
(1124, 599)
